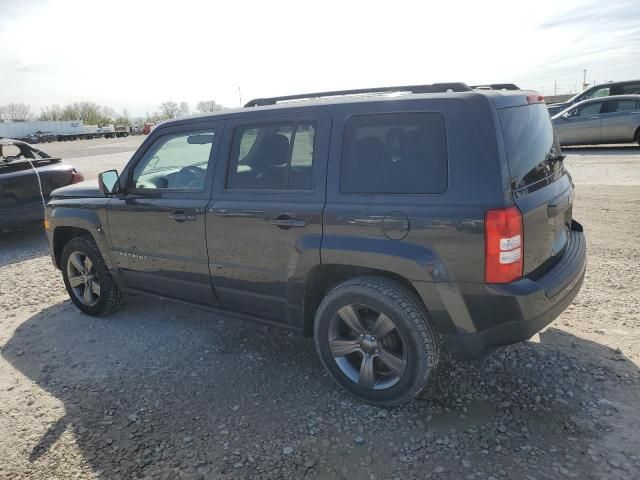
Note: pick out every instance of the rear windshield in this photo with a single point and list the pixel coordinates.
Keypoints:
(533, 153)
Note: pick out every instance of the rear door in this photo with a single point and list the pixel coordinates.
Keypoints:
(582, 125)
(620, 119)
(542, 188)
(264, 222)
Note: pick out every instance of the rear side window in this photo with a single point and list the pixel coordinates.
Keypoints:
(274, 156)
(395, 153)
(533, 154)
(620, 106)
(631, 88)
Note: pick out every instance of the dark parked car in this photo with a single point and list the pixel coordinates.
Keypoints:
(627, 87)
(601, 120)
(45, 137)
(382, 225)
(20, 197)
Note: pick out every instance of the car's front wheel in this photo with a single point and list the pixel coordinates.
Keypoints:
(376, 340)
(87, 279)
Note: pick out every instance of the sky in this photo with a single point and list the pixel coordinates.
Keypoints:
(138, 54)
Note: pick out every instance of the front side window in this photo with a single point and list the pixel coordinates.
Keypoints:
(274, 156)
(597, 93)
(394, 153)
(587, 110)
(176, 161)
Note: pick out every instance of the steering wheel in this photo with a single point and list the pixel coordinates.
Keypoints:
(190, 177)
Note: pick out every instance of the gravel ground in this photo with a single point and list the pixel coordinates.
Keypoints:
(165, 391)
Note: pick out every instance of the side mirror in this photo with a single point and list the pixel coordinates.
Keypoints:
(109, 182)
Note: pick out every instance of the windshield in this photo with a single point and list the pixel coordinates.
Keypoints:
(533, 152)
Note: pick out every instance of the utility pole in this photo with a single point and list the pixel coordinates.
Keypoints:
(239, 95)
(555, 88)
(584, 79)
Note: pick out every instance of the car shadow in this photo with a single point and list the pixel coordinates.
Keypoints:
(164, 389)
(22, 244)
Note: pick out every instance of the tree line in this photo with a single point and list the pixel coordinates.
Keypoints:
(90, 113)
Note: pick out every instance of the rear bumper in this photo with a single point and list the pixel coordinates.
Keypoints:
(510, 313)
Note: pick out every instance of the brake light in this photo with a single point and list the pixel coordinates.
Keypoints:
(535, 98)
(76, 176)
(503, 245)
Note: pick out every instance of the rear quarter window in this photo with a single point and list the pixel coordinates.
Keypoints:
(533, 153)
(394, 153)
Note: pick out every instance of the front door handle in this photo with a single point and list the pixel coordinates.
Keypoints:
(181, 216)
(285, 221)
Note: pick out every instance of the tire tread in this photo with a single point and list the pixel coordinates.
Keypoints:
(413, 311)
(115, 298)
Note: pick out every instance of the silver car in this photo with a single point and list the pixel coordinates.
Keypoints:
(600, 120)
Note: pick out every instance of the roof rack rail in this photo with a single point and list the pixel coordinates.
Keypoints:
(433, 88)
(496, 86)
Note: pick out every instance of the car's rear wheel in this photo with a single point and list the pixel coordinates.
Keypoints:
(376, 340)
(87, 279)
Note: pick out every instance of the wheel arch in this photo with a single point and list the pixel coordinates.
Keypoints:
(63, 235)
(321, 279)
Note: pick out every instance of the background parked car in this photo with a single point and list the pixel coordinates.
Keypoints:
(45, 137)
(20, 199)
(32, 139)
(602, 120)
(598, 91)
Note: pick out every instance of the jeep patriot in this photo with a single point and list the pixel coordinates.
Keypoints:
(386, 223)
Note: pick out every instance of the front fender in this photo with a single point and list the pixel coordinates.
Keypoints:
(90, 215)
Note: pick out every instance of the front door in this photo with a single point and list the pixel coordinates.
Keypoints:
(157, 225)
(582, 125)
(264, 223)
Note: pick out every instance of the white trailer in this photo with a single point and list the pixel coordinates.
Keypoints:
(24, 129)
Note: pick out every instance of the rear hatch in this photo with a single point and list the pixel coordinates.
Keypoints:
(542, 188)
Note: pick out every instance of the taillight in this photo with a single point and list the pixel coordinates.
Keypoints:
(503, 245)
(535, 98)
(76, 176)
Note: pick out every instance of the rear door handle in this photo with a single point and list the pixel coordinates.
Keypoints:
(285, 221)
(181, 216)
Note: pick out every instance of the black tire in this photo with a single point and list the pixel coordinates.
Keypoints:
(110, 297)
(420, 344)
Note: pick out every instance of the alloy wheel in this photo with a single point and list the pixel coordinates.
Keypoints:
(83, 278)
(367, 346)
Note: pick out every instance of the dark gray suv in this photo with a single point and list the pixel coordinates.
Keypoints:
(383, 225)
